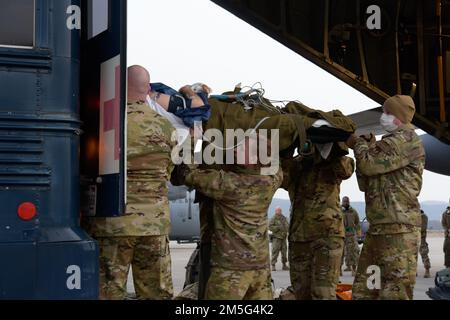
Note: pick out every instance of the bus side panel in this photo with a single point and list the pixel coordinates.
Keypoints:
(71, 273)
(17, 259)
(47, 255)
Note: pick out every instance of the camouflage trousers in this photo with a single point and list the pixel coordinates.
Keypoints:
(150, 260)
(396, 257)
(277, 246)
(315, 268)
(424, 253)
(447, 251)
(190, 292)
(351, 251)
(226, 284)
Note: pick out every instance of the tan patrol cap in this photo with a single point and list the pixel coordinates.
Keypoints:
(402, 107)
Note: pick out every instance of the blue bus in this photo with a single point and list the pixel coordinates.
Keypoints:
(62, 91)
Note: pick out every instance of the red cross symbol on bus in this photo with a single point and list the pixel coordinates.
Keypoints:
(112, 115)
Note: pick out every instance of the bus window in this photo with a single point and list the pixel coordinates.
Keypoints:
(98, 15)
(17, 23)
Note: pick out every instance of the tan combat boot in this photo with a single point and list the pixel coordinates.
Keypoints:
(427, 273)
(285, 267)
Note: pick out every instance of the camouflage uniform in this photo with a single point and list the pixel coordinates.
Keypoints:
(239, 238)
(316, 234)
(446, 226)
(190, 292)
(140, 237)
(228, 284)
(390, 173)
(423, 242)
(352, 228)
(279, 226)
(396, 256)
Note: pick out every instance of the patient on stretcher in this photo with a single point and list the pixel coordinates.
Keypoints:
(190, 104)
(298, 124)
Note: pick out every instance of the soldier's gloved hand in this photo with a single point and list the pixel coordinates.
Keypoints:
(183, 171)
(351, 141)
(179, 175)
(369, 138)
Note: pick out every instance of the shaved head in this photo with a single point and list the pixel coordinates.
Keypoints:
(138, 83)
(278, 211)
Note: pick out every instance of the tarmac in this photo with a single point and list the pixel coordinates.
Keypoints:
(182, 252)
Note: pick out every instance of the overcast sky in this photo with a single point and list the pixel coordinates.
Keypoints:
(186, 41)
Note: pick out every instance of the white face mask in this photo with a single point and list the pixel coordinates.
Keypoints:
(387, 122)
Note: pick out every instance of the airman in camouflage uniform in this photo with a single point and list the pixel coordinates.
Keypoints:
(279, 226)
(446, 226)
(240, 243)
(424, 245)
(390, 173)
(140, 237)
(352, 230)
(316, 234)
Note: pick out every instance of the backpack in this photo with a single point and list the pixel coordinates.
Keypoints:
(442, 289)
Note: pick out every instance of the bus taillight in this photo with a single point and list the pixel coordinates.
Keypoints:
(26, 211)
